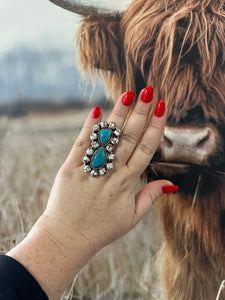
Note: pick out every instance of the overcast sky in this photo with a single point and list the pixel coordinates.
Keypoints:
(38, 23)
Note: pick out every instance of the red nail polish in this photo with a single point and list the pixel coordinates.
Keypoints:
(160, 109)
(96, 112)
(147, 94)
(128, 98)
(170, 189)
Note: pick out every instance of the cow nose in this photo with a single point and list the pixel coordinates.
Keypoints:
(188, 144)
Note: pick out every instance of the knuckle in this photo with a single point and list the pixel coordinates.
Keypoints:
(119, 113)
(125, 181)
(80, 144)
(141, 114)
(66, 171)
(147, 149)
(155, 127)
(129, 138)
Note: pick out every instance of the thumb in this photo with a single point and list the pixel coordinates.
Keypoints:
(146, 197)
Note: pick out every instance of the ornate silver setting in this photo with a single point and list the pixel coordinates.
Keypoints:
(99, 158)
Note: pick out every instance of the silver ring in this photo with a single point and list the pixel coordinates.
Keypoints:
(99, 157)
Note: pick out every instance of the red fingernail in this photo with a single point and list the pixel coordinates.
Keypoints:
(96, 112)
(170, 189)
(160, 109)
(147, 94)
(128, 98)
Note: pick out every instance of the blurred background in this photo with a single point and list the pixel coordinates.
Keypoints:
(37, 58)
(43, 104)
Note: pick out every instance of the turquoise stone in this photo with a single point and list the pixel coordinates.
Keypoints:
(104, 136)
(98, 159)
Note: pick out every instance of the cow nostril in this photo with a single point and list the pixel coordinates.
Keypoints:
(203, 141)
(189, 144)
(168, 143)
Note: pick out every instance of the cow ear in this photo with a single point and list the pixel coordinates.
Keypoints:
(99, 46)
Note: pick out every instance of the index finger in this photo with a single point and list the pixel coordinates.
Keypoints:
(83, 141)
(145, 150)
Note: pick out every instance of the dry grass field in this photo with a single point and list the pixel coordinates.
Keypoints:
(32, 148)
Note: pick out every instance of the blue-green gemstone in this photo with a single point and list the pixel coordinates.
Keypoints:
(104, 136)
(98, 159)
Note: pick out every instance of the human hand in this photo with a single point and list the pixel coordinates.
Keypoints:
(85, 213)
(100, 210)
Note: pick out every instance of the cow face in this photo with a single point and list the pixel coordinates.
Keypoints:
(178, 47)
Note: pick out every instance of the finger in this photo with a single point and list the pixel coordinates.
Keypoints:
(118, 116)
(83, 141)
(134, 126)
(147, 146)
(121, 109)
(149, 194)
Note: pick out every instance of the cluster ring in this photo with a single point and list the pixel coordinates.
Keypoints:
(99, 158)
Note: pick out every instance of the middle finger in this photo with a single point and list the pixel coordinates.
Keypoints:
(135, 125)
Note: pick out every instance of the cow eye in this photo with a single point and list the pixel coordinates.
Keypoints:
(193, 116)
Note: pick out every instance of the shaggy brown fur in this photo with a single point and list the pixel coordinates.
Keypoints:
(193, 257)
(178, 47)
(98, 42)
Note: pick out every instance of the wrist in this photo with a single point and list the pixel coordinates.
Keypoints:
(72, 243)
(53, 255)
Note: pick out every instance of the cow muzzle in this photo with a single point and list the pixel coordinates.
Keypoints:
(189, 144)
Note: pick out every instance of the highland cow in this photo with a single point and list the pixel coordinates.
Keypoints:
(178, 47)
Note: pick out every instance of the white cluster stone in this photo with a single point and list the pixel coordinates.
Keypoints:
(94, 136)
(85, 159)
(109, 148)
(109, 166)
(104, 124)
(112, 125)
(102, 171)
(87, 169)
(95, 145)
(94, 173)
(117, 132)
(114, 141)
(96, 127)
(90, 151)
(111, 157)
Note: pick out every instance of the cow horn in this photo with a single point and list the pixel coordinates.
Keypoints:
(82, 8)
